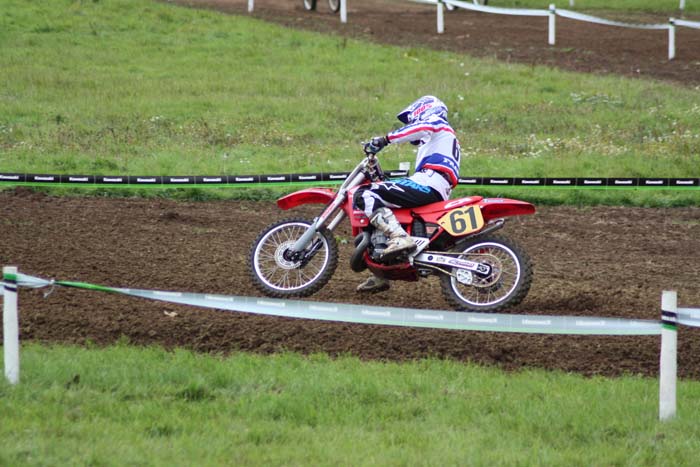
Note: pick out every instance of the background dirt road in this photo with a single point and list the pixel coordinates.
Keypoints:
(580, 46)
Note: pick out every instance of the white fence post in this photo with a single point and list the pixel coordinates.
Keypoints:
(251, 5)
(10, 324)
(671, 38)
(343, 11)
(440, 17)
(681, 6)
(552, 24)
(668, 360)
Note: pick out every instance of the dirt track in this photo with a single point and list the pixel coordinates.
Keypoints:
(588, 262)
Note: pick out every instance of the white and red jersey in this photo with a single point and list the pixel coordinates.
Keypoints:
(439, 151)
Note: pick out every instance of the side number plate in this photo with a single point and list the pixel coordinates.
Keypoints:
(462, 221)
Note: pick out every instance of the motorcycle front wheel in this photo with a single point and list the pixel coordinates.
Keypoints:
(507, 283)
(277, 274)
(309, 5)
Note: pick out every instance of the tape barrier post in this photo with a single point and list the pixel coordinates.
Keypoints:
(552, 24)
(10, 324)
(343, 11)
(440, 17)
(668, 360)
(251, 5)
(671, 38)
(681, 6)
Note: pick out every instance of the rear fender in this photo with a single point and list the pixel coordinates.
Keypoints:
(306, 196)
(467, 221)
(496, 208)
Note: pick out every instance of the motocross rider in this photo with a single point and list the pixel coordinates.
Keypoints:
(437, 172)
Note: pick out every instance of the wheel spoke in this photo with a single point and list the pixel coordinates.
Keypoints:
(278, 272)
(505, 273)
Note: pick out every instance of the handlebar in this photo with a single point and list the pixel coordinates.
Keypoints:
(374, 170)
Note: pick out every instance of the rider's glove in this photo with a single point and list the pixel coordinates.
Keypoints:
(376, 144)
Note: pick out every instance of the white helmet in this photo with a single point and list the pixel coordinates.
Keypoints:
(422, 109)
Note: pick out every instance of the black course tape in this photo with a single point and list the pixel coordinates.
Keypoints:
(170, 181)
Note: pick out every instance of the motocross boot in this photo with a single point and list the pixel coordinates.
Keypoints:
(373, 284)
(399, 241)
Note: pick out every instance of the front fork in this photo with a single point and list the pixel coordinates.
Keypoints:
(304, 240)
(299, 251)
(304, 255)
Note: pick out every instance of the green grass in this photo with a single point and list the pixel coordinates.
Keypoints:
(145, 406)
(132, 87)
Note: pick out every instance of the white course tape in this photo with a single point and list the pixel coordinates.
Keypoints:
(393, 316)
(26, 281)
(688, 24)
(563, 13)
(30, 282)
(497, 10)
(689, 316)
(382, 315)
(594, 19)
(406, 316)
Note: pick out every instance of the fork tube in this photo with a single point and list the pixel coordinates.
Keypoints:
(318, 222)
(355, 178)
(337, 220)
(335, 204)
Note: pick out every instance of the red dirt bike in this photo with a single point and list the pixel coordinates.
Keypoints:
(478, 270)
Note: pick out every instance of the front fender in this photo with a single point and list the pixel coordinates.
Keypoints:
(495, 208)
(306, 196)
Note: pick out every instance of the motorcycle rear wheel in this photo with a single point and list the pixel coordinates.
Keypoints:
(506, 285)
(276, 276)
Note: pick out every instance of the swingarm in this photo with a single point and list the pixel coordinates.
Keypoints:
(442, 260)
